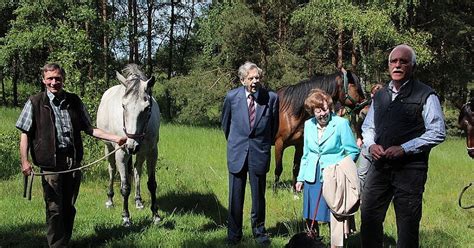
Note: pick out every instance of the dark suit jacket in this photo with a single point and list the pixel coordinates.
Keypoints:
(243, 142)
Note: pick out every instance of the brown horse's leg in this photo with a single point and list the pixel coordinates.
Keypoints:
(278, 161)
(296, 162)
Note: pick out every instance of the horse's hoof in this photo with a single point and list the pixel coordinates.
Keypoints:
(109, 204)
(126, 222)
(139, 205)
(156, 220)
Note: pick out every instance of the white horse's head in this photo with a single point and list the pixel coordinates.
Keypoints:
(137, 105)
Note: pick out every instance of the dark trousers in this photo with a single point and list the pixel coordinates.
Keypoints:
(237, 184)
(60, 193)
(405, 187)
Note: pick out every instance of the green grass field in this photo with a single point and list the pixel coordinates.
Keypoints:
(192, 196)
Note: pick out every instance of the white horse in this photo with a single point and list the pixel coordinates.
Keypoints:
(129, 109)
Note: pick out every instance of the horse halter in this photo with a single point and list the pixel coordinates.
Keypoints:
(346, 89)
(140, 136)
(358, 106)
(468, 148)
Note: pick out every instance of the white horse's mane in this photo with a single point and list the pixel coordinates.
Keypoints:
(133, 82)
(133, 69)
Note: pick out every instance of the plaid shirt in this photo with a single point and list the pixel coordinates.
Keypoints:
(62, 120)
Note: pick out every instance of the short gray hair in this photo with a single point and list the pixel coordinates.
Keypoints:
(53, 67)
(413, 54)
(246, 67)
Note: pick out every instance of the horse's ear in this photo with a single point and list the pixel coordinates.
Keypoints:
(150, 82)
(121, 78)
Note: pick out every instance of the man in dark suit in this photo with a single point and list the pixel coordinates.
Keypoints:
(250, 122)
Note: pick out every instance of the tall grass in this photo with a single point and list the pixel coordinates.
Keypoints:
(192, 196)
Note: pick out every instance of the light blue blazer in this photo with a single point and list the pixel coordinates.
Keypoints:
(337, 142)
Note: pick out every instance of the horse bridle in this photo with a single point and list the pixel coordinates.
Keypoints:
(468, 148)
(141, 135)
(358, 106)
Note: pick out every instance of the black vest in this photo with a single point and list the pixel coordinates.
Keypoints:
(42, 137)
(401, 120)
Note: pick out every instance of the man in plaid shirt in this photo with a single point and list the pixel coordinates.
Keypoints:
(50, 124)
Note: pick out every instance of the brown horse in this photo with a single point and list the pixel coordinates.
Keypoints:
(344, 87)
(466, 122)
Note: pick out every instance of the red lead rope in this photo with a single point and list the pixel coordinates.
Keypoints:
(316, 210)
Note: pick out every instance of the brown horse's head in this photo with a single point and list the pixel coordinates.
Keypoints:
(466, 122)
(350, 91)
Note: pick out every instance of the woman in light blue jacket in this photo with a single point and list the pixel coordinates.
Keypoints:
(328, 138)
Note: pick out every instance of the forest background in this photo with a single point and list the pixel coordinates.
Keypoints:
(194, 47)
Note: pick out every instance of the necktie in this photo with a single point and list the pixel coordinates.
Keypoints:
(251, 111)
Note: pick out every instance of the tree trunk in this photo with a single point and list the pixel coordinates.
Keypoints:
(171, 43)
(130, 31)
(15, 80)
(90, 69)
(310, 61)
(263, 39)
(4, 98)
(170, 59)
(135, 33)
(186, 39)
(149, 62)
(340, 47)
(112, 20)
(353, 54)
(105, 43)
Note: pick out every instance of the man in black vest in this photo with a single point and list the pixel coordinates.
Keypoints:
(404, 122)
(51, 123)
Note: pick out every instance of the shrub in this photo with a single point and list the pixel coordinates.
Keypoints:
(452, 128)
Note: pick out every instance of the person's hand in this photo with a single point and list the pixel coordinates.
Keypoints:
(26, 168)
(376, 151)
(299, 186)
(122, 140)
(359, 142)
(394, 152)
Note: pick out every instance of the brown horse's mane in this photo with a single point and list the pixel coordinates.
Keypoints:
(292, 97)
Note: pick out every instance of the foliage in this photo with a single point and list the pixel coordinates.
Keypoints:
(452, 127)
(290, 40)
(198, 97)
(49, 31)
(369, 29)
(25, 90)
(9, 150)
(238, 27)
